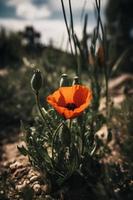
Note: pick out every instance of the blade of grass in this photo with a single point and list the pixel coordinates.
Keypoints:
(83, 10)
(100, 25)
(74, 40)
(67, 27)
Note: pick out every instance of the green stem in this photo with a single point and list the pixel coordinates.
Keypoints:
(98, 6)
(40, 110)
(70, 124)
(54, 135)
(82, 128)
(68, 31)
(94, 150)
(74, 39)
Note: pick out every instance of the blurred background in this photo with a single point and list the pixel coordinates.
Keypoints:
(33, 34)
(45, 16)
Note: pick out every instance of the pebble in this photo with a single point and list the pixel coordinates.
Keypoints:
(15, 165)
(19, 173)
(37, 188)
(33, 173)
(48, 197)
(26, 182)
(21, 187)
(45, 188)
(33, 178)
(34, 183)
(5, 164)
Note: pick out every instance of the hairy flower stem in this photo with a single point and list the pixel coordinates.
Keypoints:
(107, 96)
(70, 124)
(82, 128)
(40, 110)
(70, 127)
(94, 150)
(54, 136)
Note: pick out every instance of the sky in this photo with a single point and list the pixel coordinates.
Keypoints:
(46, 16)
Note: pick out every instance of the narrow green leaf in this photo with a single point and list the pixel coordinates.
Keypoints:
(23, 150)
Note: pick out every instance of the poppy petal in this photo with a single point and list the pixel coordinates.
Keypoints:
(67, 93)
(56, 98)
(80, 95)
(77, 94)
(78, 110)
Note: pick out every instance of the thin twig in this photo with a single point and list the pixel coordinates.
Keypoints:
(98, 7)
(73, 37)
(65, 18)
(83, 10)
(40, 110)
(54, 135)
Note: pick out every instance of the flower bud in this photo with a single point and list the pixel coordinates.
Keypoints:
(64, 80)
(76, 80)
(101, 56)
(36, 81)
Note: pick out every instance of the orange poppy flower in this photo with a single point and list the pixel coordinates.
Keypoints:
(71, 101)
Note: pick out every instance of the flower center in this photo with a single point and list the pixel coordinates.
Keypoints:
(71, 106)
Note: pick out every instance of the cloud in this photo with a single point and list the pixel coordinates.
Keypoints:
(46, 16)
(77, 8)
(41, 9)
(29, 9)
(40, 2)
(76, 4)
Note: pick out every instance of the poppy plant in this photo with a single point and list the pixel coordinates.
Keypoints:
(71, 101)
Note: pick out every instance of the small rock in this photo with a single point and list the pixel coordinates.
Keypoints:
(48, 197)
(34, 183)
(37, 188)
(45, 188)
(15, 166)
(32, 172)
(1, 192)
(5, 164)
(33, 178)
(19, 173)
(20, 187)
(26, 182)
